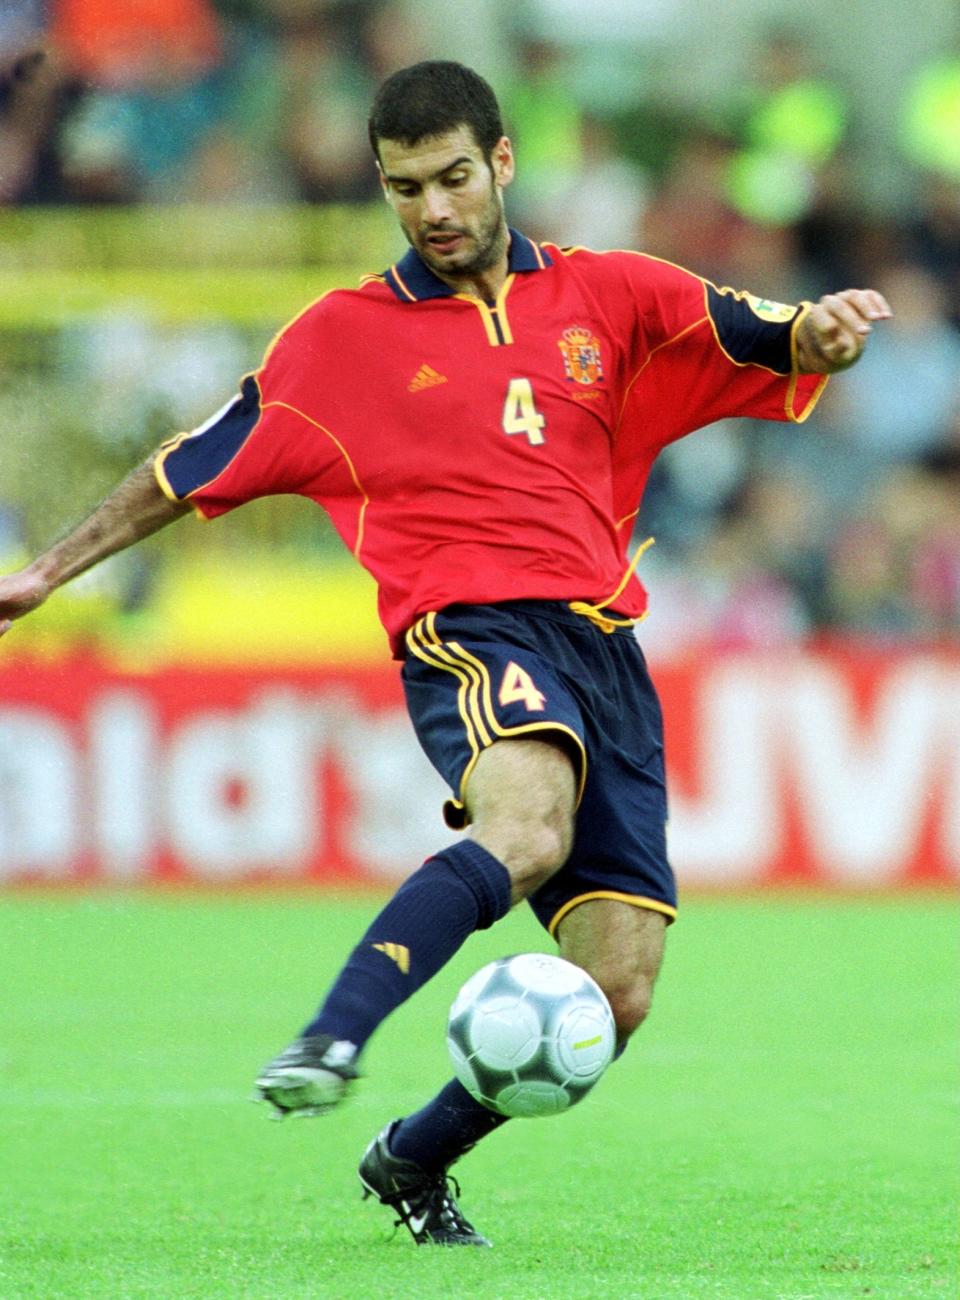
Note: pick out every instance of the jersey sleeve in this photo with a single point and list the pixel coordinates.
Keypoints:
(270, 439)
(699, 354)
(759, 338)
(708, 354)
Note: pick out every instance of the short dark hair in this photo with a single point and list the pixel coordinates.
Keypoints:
(433, 98)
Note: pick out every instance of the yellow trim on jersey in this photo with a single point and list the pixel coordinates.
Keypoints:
(632, 252)
(487, 313)
(291, 322)
(580, 248)
(170, 446)
(739, 296)
(501, 308)
(791, 389)
(659, 348)
(633, 900)
(801, 316)
(475, 700)
(285, 406)
(167, 448)
(486, 316)
(396, 275)
(814, 397)
(594, 612)
(159, 473)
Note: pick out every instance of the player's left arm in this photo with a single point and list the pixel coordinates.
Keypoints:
(834, 332)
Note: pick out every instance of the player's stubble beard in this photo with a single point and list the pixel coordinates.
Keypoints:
(490, 240)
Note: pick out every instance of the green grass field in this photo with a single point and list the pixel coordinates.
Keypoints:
(784, 1127)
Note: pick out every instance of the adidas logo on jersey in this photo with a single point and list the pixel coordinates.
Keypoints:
(396, 952)
(426, 377)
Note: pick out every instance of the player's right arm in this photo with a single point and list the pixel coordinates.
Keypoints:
(134, 510)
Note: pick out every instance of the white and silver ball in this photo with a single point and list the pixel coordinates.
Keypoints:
(530, 1034)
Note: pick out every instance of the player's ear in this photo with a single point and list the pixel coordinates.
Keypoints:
(501, 162)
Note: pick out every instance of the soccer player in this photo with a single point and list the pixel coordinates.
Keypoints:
(479, 422)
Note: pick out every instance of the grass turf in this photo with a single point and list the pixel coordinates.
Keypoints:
(784, 1128)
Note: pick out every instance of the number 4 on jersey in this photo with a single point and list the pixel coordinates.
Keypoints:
(517, 688)
(520, 414)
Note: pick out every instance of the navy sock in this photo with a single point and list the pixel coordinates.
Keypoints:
(462, 889)
(447, 1127)
(444, 1129)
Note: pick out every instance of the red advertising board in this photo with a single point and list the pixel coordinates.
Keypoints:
(838, 767)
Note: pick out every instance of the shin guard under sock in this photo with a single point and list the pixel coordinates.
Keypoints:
(462, 889)
(444, 1129)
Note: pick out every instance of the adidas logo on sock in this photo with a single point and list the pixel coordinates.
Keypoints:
(426, 377)
(396, 952)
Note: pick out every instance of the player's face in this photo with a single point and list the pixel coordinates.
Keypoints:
(448, 198)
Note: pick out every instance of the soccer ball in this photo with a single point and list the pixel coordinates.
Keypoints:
(530, 1035)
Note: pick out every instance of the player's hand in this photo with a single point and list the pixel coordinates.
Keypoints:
(835, 330)
(19, 594)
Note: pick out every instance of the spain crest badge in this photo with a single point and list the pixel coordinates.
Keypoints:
(581, 355)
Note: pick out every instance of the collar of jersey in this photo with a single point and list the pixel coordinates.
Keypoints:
(413, 281)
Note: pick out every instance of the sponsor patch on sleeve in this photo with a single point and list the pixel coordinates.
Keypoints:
(772, 311)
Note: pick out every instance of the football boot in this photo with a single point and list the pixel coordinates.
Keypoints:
(424, 1202)
(308, 1077)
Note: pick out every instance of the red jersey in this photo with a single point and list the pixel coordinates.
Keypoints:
(473, 452)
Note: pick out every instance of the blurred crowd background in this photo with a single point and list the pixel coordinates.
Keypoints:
(177, 177)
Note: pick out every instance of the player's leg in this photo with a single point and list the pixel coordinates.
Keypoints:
(422, 1195)
(520, 799)
(619, 848)
(610, 905)
(621, 946)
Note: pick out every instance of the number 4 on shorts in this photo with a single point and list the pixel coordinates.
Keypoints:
(517, 688)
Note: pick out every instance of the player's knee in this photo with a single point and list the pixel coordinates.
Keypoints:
(531, 851)
(521, 799)
(546, 849)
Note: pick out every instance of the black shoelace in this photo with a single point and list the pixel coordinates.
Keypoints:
(439, 1204)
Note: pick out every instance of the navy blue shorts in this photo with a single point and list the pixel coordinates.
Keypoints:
(475, 674)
